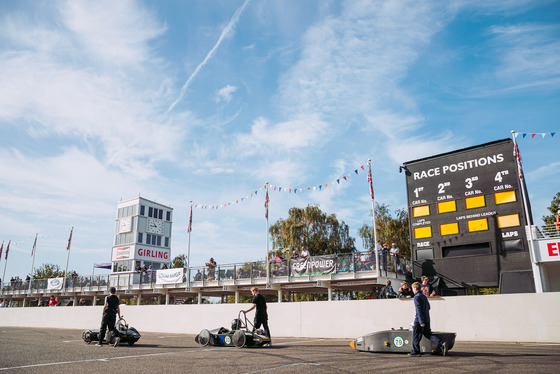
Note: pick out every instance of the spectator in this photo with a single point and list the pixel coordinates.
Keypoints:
(211, 264)
(426, 288)
(304, 253)
(387, 292)
(395, 251)
(371, 255)
(82, 302)
(2, 304)
(405, 291)
(52, 301)
(383, 254)
(295, 255)
(363, 261)
(138, 269)
(198, 276)
(163, 266)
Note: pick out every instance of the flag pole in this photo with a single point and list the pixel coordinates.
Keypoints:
(189, 229)
(33, 261)
(266, 200)
(370, 180)
(536, 269)
(5, 263)
(68, 257)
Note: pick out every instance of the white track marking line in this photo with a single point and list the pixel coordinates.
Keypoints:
(282, 367)
(301, 341)
(107, 359)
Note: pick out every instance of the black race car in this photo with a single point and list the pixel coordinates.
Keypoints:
(241, 335)
(128, 334)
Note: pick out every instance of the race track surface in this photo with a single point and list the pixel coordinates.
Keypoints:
(26, 350)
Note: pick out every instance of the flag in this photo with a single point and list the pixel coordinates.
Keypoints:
(70, 239)
(517, 156)
(266, 200)
(370, 180)
(34, 244)
(7, 250)
(189, 229)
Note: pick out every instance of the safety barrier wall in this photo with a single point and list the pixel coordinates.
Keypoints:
(513, 318)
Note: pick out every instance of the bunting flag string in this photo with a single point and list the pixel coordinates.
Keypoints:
(532, 135)
(295, 190)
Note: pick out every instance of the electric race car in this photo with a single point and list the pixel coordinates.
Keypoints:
(128, 334)
(241, 335)
(400, 341)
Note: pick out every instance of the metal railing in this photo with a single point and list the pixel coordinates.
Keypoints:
(547, 232)
(356, 262)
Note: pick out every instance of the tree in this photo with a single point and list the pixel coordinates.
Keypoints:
(390, 229)
(179, 261)
(46, 271)
(553, 209)
(311, 228)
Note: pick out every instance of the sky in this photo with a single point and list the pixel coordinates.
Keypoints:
(208, 100)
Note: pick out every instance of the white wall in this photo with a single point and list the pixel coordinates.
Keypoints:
(518, 317)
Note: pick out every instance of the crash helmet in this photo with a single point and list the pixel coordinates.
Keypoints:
(235, 324)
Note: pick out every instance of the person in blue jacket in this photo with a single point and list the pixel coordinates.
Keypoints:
(422, 324)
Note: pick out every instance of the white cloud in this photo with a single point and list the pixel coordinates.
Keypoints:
(354, 63)
(527, 51)
(112, 32)
(284, 136)
(225, 93)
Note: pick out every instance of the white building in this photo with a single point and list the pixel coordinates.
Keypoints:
(142, 235)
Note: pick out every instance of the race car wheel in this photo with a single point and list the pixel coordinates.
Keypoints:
(204, 338)
(131, 342)
(239, 338)
(87, 337)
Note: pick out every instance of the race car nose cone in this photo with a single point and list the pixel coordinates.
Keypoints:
(353, 344)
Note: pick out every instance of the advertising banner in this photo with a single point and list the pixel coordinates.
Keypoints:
(169, 276)
(548, 250)
(55, 283)
(315, 265)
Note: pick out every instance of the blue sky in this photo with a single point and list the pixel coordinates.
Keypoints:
(206, 101)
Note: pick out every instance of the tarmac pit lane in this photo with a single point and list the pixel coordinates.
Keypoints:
(26, 350)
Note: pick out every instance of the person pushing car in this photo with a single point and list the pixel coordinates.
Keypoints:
(110, 311)
(261, 316)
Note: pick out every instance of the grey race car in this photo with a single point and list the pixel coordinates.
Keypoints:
(399, 341)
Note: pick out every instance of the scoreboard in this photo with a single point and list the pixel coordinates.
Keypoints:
(467, 220)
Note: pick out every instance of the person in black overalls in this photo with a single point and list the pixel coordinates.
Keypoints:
(261, 317)
(110, 311)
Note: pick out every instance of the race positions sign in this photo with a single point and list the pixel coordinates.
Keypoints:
(466, 214)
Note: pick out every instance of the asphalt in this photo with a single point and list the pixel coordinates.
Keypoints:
(26, 350)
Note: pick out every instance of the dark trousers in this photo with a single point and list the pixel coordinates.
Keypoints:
(108, 320)
(264, 323)
(419, 331)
